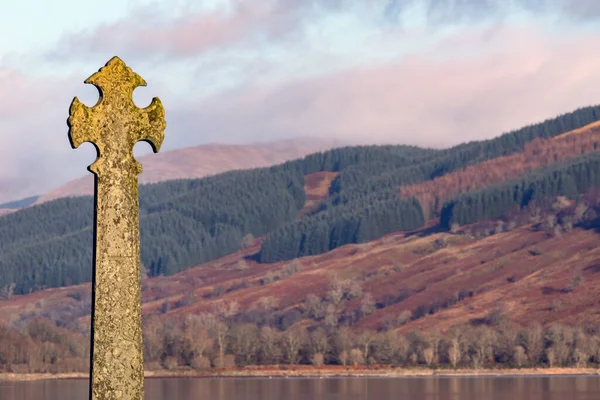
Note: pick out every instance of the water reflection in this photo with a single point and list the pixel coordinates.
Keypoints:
(430, 388)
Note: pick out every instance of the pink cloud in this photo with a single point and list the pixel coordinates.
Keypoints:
(34, 151)
(19, 94)
(189, 35)
(473, 85)
(525, 78)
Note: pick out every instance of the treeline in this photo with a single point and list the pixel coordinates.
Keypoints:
(367, 181)
(356, 222)
(204, 342)
(434, 193)
(569, 179)
(365, 205)
(183, 223)
(368, 176)
(42, 347)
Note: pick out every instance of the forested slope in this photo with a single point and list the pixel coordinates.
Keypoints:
(188, 222)
(183, 223)
(434, 193)
(349, 215)
(568, 179)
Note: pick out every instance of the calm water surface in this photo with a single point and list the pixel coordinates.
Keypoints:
(426, 388)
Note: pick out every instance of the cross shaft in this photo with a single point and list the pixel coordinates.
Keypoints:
(114, 125)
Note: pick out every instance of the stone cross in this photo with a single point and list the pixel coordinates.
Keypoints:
(114, 125)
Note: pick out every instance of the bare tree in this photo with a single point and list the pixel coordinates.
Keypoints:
(292, 342)
(319, 342)
(219, 333)
(580, 358)
(344, 341)
(454, 350)
(247, 240)
(367, 305)
(550, 357)
(356, 357)
(353, 289)
(428, 356)
(331, 316)
(365, 341)
(153, 339)
(519, 355)
(344, 357)
(575, 280)
(269, 346)
(241, 265)
(433, 339)
(534, 343)
(404, 317)
(317, 359)
(7, 291)
(244, 343)
(225, 308)
(267, 303)
(143, 272)
(193, 340)
(336, 293)
(314, 307)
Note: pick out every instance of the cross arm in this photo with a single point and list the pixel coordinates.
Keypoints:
(152, 125)
(82, 125)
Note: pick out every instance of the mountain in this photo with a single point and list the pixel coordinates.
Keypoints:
(203, 160)
(483, 254)
(393, 298)
(184, 223)
(15, 205)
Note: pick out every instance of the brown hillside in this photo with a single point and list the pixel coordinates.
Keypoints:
(432, 194)
(205, 160)
(458, 278)
(316, 187)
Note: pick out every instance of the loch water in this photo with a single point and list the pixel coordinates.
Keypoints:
(397, 388)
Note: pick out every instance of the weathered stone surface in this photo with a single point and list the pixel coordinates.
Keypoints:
(114, 125)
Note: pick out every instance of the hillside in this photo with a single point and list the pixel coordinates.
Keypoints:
(434, 193)
(201, 161)
(303, 207)
(423, 286)
(338, 258)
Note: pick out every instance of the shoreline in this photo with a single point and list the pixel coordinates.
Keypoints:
(300, 372)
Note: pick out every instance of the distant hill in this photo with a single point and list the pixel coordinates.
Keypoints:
(16, 205)
(13, 205)
(307, 206)
(203, 160)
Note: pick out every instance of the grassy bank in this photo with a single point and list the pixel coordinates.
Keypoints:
(324, 372)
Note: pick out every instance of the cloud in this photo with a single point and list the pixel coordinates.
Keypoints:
(145, 34)
(239, 25)
(352, 80)
(34, 152)
(418, 100)
(582, 9)
(443, 12)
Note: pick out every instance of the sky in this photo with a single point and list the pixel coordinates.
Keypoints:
(432, 72)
